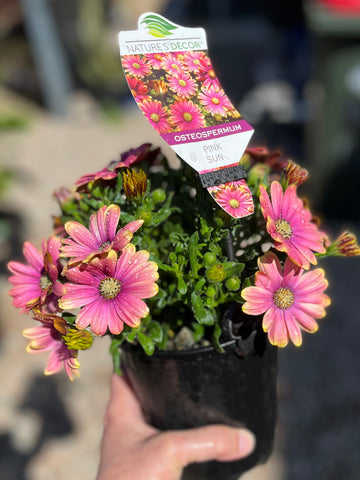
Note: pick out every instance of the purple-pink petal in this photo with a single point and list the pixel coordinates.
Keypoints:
(293, 328)
(33, 256)
(131, 309)
(306, 321)
(80, 235)
(277, 333)
(78, 296)
(89, 276)
(276, 192)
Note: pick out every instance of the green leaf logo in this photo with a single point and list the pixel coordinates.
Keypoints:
(157, 26)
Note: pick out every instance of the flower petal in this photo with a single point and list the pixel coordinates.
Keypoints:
(78, 296)
(269, 264)
(33, 256)
(276, 192)
(306, 321)
(258, 300)
(80, 235)
(131, 309)
(277, 333)
(293, 329)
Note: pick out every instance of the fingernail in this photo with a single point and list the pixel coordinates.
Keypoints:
(247, 442)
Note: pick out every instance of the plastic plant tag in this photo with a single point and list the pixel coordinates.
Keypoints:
(171, 77)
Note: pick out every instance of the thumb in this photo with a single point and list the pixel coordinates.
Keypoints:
(213, 442)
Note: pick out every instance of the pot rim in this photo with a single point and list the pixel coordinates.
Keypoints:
(176, 353)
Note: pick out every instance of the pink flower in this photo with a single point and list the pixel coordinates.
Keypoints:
(111, 290)
(183, 85)
(290, 226)
(289, 299)
(215, 101)
(136, 65)
(193, 60)
(172, 64)
(108, 173)
(84, 245)
(271, 158)
(186, 116)
(138, 88)
(47, 338)
(33, 283)
(64, 196)
(234, 197)
(137, 155)
(154, 59)
(157, 115)
(206, 75)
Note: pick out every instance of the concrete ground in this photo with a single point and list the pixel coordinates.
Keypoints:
(50, 427)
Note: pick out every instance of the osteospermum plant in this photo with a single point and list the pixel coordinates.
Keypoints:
(140, 252)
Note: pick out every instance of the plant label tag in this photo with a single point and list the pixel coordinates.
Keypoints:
(170, 75)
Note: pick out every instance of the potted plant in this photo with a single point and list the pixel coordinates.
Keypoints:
(196, 302)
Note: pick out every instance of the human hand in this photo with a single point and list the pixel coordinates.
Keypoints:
(133, 450)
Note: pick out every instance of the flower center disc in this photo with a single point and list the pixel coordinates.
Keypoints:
(45, 282)
(182, 83)
(187, 117)
(136, 65)
(283, 298)
(283, 227)
(155, 117)
(215, 101)
(175, 67)
(109, 287)
(234, 203)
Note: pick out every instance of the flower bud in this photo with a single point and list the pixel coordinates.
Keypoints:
(216, 273)
(345, 246)
(210, 292)
(209, 259)
(233, 284)
(78, 339)
(134, 183)
(294, 174)
(257, 173)
(159, 195)
(245, 161)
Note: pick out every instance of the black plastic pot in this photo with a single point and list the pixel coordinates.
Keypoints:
(186, 389)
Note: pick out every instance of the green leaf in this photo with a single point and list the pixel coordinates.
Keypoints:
(115, 353)
(173, 259)
(165, 268)
(246, 283)
(69, 317)
(216, 338)
(146, 343)
(200, 284)
(193, 251)
(205, 229)
(131, 336)
(155, 332)
(202, 314)
(164, 212)
(181, 285)
(198, 331)
(233, 269)
(127, 218)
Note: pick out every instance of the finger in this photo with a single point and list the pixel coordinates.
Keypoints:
(123, 407)
(214, 442)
